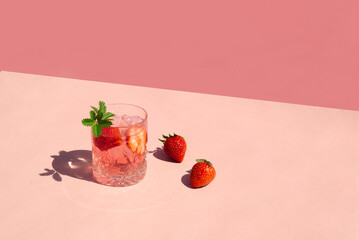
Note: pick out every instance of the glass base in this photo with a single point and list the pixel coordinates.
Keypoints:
(129, 176)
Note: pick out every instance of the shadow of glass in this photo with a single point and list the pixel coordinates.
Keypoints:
(77, 164)
(161, 155)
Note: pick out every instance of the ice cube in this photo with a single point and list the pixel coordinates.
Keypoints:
(116, 121)
(130, 120)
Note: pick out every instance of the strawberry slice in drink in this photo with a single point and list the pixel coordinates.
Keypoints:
(110, 137)
(136, 139)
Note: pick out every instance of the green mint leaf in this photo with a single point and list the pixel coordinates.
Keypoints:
(88, 122)
(102, 107)
(99, 116)
(93, 115)
(107, 115)
(105, 124)
(95, 109)
(96, 130)
(104, 121)
(99, 119)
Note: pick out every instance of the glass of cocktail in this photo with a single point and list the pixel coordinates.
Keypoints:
(118, 153)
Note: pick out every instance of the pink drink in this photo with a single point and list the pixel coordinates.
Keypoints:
(119, 152)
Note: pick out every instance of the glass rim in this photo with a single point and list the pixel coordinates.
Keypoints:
(132, 105)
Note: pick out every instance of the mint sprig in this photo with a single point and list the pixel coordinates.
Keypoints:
(99, 118)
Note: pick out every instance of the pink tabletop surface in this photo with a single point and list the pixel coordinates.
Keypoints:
(284, 171)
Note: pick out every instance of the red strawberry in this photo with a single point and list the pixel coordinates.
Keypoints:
(137, 139)
(110, 137)
(202, 173)
(111, 132)
(175, 147)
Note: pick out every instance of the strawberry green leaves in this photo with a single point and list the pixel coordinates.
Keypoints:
(169, 136)
(99, 119)
(204, 160)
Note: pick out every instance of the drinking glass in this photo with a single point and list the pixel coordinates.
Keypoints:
(118, 154)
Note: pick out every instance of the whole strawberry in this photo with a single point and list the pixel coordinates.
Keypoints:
(174, 146)
(202, 173)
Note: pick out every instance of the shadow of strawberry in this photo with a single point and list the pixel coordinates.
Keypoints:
(160, 154)
(186, 179)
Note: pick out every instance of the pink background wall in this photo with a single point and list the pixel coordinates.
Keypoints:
(297, 51)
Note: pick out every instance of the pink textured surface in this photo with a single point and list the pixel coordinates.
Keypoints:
(284, 171)
(299, 51)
